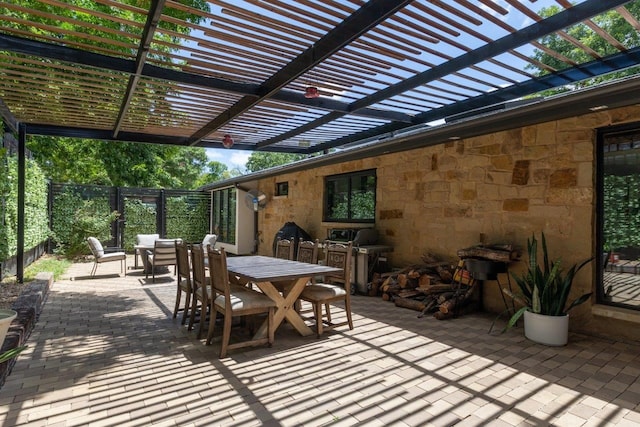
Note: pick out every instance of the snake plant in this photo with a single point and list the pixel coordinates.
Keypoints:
(544, 289)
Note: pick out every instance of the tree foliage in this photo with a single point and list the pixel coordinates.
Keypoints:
(611, 22)
(114, 31)
(260, 160)
(215, 171)
(122, 164)
(35, 205)
(75, 218)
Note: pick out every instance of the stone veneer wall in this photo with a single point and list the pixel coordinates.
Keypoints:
(505, 185)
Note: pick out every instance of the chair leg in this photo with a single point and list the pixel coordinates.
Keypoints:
(212, 323)
(178, 297)
(203, 318)
(94, 269)
(347, 307)
(187, 303)
(270, 328)
(192, 317)
(226, 334)
(317, 308)
(328, 310)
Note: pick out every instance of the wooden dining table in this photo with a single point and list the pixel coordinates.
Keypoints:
(281, 280)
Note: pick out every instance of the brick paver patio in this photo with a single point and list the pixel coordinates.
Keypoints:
(106, 352)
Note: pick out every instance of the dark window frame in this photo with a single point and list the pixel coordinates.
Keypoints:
(224, 214)
(609, 140)
(347, 179)
(282, 188)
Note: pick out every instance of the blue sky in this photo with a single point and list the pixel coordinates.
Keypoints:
(232, 158)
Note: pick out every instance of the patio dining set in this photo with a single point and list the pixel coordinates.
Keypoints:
(292, 286)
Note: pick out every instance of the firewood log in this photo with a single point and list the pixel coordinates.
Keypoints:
(458, 300)
(442, 316)
(430, 305)
(493, 253)
(402, 280)
(432, 289)
(409, 303)
(389, 281)
(424, 280)
(445, 275)
(374, 288)
(444, 297)
(393, 289)
(413, 274)
(408, 293)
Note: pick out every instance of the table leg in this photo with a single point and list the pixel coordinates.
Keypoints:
(285, 307)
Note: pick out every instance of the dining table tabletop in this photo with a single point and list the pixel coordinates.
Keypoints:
(281, 280)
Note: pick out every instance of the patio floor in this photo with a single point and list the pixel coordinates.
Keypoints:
(106, 352)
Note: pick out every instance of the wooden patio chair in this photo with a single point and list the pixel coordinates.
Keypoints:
(284, 249)
(184, 280)
(332, 288)
(308, 251)
(100, 257)
(234, 300)
(164, 254)
(201, 292)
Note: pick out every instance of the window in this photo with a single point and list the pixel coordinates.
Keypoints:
(282, 188)
(619, 216)
(350, 197)
(224, 215)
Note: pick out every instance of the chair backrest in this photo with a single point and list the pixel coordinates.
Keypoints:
(284, 249)
(219, 273)
(209, 240)
(308, 251)
(96, 247)
(339, 255)
(164, 252)
(182, 258)
(199, 277)
(146, 239)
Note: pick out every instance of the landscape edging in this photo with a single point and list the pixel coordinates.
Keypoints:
(28, 305)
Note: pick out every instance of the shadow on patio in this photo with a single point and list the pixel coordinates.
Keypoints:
(107, 352)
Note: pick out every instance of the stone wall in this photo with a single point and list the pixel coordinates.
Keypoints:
(506, 185)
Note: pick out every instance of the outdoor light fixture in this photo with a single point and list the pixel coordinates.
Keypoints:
(311, 92)
(227, 141)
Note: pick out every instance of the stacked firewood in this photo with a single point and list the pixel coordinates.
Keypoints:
(434, 286)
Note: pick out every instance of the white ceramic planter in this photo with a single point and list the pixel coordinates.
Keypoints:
(548, 330)
(6, 317)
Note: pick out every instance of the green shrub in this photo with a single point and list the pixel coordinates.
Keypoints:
(75, 219)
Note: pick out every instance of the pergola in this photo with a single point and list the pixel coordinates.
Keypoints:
(191, 72)
(301, 76)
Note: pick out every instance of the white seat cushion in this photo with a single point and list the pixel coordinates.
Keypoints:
(322, 291)
(113, 256)
(243, 298)
(96, 247)
(146, 239)
(209, 239)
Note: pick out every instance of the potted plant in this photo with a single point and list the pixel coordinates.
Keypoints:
(543, 292)
(6, 317)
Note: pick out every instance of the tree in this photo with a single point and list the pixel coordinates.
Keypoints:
(123, 164)
(611, 22)
(260, 160)
(215, 171)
